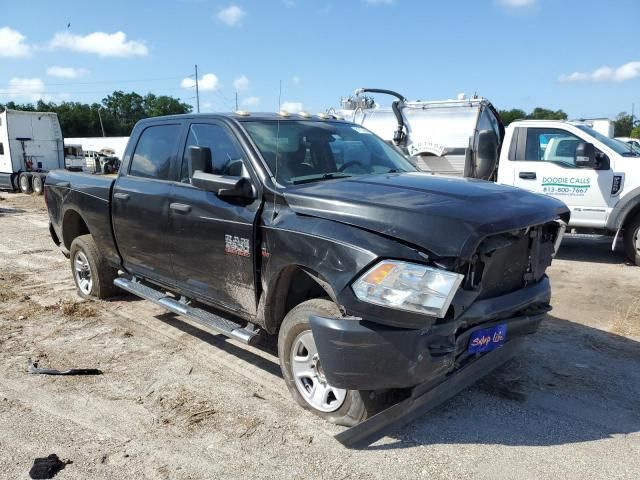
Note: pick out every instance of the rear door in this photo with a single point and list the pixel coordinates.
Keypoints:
(140, 203)
(213, 251)
(544, 162)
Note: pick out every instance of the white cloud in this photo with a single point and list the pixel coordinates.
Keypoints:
(251, 101)
(241, 83)
(207, 83)
(26, 88)
(296, 80)
(380, 2)
(292, 107)
(66, 72)
(100, 43)
(625, 72)
(12, 43)
(517, 3)
(232, 15)
(289, 3)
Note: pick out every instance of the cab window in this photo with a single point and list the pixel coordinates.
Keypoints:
(155, 149)
(551, 145)
(226, 154)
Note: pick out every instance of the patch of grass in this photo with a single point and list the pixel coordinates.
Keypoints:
(75, 309)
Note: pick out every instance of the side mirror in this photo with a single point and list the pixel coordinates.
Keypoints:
(199, 159)
(585, 156)
(223, 185)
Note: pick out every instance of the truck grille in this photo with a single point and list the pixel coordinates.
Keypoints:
(509, 261)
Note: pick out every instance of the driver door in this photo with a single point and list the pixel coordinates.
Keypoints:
(212, 236)
(545, 163)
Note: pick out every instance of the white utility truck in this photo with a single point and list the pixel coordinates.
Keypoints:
(31, 144)
(596, 176)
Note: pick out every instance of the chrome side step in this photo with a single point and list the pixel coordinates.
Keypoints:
(210, 320)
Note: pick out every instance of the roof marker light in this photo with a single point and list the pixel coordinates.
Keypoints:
(304, 114)
(242, 113)
(323, 116)
(284, 113)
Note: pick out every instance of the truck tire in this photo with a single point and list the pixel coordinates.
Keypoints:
(632, 240)
(92, 274)
(339, 406)
(37, 184)
(24, 181)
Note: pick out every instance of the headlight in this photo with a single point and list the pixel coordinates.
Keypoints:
(408, 286)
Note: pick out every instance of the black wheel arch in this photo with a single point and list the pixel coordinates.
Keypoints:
(291, 286)
(73, 225)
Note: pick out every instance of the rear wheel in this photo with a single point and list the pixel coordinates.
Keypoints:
(632, 240)
(37, 184)
(92, 274)
(25, 183)
(303, 373)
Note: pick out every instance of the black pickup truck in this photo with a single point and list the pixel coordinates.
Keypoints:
(375, 277)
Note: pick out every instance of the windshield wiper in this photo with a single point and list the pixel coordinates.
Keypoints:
(322, 176)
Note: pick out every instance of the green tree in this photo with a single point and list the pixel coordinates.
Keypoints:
(635, 133)
(623, 125)
(119, 111)
(540, 113)
(509, 116)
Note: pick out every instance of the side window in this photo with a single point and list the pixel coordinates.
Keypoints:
(226, 154)
(155, 149)
(551, 145)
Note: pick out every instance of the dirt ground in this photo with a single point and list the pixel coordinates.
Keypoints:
(175, 401)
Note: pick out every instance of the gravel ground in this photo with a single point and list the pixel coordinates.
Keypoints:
(178, 402)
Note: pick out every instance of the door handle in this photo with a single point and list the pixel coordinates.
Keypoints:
(121, 196)
(180, 207)
(528, 175)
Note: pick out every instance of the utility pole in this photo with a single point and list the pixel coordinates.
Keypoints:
(197, 92)
(236, 101)
(101, 124)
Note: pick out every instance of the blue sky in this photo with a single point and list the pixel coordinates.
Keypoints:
(579, 55)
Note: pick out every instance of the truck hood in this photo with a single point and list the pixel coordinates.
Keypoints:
(447, 217)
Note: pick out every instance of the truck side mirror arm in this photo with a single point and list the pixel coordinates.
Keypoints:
(223, 185)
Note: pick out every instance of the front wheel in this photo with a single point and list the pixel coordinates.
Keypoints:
(92, 275)
(632, 240)
(303, 373)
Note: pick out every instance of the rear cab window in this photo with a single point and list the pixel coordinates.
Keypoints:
(155, 151)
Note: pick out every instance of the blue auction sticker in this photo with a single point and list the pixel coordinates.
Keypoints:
(487, 339)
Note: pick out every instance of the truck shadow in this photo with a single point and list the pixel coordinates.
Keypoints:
(223, 343)
(597, 250)
(572, 384)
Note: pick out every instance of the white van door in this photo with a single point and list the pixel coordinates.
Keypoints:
(544, 162)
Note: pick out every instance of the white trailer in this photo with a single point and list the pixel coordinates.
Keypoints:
(604, 126)
(31, 144)
(113, 146)
(451, 137)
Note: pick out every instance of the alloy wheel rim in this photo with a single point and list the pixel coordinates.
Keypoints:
(637, 240)
(24, 183)
(82, 271)
(309, 376)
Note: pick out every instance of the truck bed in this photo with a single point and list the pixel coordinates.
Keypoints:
(81, 200)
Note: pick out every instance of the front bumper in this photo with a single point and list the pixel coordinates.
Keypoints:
(361, 355)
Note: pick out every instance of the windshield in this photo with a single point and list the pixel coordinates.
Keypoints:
(615, 145)
(308, 151)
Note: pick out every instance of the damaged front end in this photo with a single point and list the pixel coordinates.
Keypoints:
(504, 296)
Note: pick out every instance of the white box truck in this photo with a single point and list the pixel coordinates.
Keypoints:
(31, 144)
